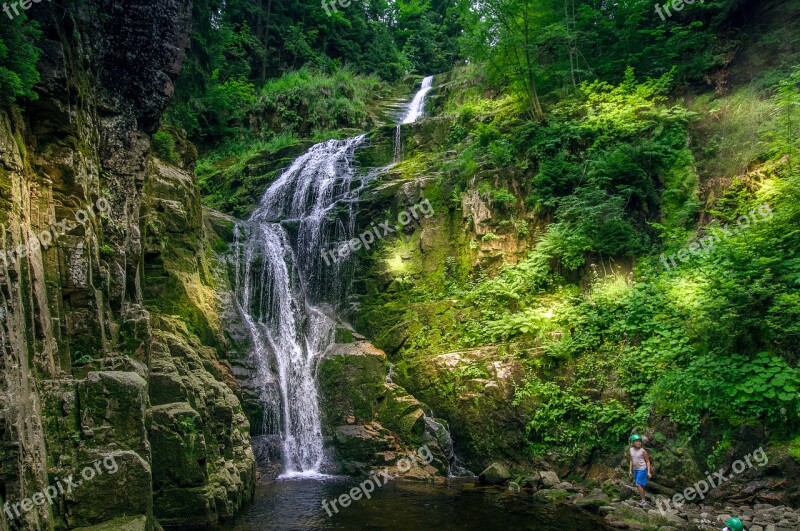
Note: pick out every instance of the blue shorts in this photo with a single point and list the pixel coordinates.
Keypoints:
(640, 477)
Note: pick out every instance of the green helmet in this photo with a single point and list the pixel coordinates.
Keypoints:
(734, 524)
(635, 438)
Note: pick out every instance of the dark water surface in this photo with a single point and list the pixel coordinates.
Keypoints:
(297, 505)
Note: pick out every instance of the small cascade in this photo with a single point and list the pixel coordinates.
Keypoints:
(417, 107)
(398, 148)
(441, 434)
(413, 112)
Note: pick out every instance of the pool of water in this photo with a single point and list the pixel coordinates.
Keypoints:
(296, 504)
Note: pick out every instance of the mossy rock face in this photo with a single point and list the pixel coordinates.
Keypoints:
(127, 523)
(361, 442)
(113, 410)
(475, 394)
(402, 413)
(351, 379)
(201, 444)
(180, 446)
(186, 507)
(124, 487)
(367, 421)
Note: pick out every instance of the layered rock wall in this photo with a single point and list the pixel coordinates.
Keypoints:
(109, 337)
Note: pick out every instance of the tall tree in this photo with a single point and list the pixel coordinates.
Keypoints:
(509, 37)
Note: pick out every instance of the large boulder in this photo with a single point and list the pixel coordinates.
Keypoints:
(370, 422)
(593, 501)
(495, 474)
(549, 479)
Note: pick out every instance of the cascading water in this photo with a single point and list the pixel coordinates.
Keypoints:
(398, 152)
(287, 292)
(417, 107)
(413, 112)
(284, 291)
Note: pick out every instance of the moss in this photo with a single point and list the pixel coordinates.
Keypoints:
(234, 183)
(552, 494)
(352, 386)
(126, 523)
(794, 449)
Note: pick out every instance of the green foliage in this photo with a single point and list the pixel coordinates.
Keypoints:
(787, 100)
(501, 196)
(19, 58)
(164, 146)
(307, 102)
(573, 422)
(106, 250)
(635, 147)
(687, 40)
(794, 448)
(734, 388)
(188, 424)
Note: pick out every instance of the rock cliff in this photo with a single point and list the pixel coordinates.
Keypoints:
(110, 338)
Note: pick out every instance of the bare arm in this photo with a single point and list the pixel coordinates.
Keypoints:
(647, 460)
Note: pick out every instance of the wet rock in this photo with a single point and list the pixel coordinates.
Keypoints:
(549, 478)
(354, 391)
(495, 474)
(531, 482)
(593, 501)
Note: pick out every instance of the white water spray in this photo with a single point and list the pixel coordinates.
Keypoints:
(417, 107)
(286, 293)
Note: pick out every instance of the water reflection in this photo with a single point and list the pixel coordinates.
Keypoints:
(297, 505)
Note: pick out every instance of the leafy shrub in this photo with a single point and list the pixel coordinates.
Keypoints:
(733, 388)
(106, 250)
(500, 153)
(19, 57)
(307, 102)
(502, 197)
(571, 421)
(164, 146)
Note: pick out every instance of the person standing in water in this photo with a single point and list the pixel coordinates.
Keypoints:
(639, 468)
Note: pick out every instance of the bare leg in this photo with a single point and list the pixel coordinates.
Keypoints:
(641, 492)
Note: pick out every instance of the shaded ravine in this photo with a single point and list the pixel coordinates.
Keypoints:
(287, 288)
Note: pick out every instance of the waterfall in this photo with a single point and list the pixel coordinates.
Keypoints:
(413, 112)
(398, 151)
(287, 293)
(417, 107)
